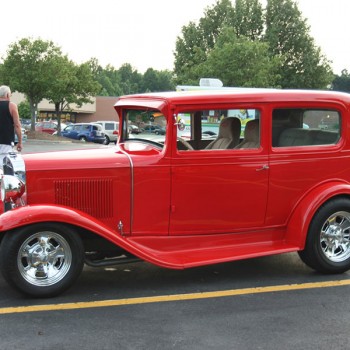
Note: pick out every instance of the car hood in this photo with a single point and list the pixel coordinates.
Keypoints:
(76, 159)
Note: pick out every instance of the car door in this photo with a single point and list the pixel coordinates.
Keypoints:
(66, 132)
(218, 190)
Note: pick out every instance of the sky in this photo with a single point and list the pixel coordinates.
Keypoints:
(143, 33)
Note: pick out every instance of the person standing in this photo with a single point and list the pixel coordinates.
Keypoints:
(9, 123)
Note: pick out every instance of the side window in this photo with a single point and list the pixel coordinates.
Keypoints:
(68, 128)
(305, 127)
(85, 128)
(109, 126)
(227, 129)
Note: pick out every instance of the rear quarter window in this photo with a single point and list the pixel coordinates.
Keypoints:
(109, 126)
(294, 127)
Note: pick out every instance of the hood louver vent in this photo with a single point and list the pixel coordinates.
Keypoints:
(92, 196)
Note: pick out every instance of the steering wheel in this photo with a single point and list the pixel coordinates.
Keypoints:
(185, 143)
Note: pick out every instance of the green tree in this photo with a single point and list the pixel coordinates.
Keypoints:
(240, 62)
(154, 81)
(130, 79)
(126, 80)
(196, 41)
(214, 20)
(108, 78)
(342, 82)
(72, 84)
(28, 69)
(302, 64)
(249, 19)
(299, 62)
(165, 81)
(24, 109)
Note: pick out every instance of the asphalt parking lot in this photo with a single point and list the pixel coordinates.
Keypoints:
(267, 303)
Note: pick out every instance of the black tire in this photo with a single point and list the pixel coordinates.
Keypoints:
(41, 260)
(82, 139)
(107, 140)
(327, 248)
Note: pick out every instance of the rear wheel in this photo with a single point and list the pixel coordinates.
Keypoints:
(42, 260)
(82, 139)
(328, 242)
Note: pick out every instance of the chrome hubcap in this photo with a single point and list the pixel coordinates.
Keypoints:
(44, 258)
(335, 237)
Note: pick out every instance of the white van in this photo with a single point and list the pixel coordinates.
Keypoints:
(110, 129)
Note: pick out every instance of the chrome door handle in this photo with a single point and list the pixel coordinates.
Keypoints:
(264, 167)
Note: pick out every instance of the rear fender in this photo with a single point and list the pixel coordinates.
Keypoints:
(301, 217)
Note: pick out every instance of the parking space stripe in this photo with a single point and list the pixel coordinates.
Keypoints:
(175, 297)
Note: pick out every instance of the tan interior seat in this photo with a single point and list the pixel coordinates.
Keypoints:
(251, 135)
(229, 133)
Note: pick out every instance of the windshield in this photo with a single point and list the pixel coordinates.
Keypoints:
(144, 125)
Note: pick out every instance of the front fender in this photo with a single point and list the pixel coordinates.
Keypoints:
(301, 217)
(32, 214)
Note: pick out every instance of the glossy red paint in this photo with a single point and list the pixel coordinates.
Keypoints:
(188, 208)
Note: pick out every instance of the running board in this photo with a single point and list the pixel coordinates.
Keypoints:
(185, 252)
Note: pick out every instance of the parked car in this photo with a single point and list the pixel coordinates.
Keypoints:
(133, 129)
(84, 132)
(24, 136)
(26, 123)
(49, 127)
(156, 129)
(278, 188)
(111, 131)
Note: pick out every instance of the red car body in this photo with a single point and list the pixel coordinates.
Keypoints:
(180, 207)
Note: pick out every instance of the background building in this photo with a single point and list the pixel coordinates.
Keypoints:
(101, 108)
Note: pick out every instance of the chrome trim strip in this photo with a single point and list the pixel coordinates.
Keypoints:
(132, 187)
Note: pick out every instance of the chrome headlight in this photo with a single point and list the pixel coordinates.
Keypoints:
(12, 189)
(14, 165)
(13, 178)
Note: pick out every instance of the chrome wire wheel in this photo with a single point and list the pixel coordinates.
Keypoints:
(44, 258)
(335, 237)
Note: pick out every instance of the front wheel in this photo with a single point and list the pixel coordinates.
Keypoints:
(41, 260)
(328, 242)
(106, 140)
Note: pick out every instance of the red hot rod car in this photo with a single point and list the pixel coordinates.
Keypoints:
(238, 174)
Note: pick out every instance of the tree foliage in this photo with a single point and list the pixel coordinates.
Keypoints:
(127, 80)
(342, 82)
(40, 71)
(24, 109)
(249, 19)
(240, 62)
(281, 36)
(302, 64)
(196, 41)
(28, 69)
(72, 84)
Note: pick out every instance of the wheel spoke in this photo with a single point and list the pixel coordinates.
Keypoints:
(44, 258)
(334, 237)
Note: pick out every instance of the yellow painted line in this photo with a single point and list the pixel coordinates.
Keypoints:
(175, 297)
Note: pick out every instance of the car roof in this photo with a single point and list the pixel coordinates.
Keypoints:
(243, 95)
